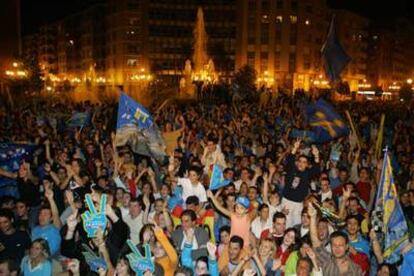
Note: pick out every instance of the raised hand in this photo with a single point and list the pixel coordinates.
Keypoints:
(140, 264)
(73, 266)
(276, 264)
(49, 193)
(315, 151)
(211, 248)
(296, 145)
(272, 169)
(69, 197)
(72, 220)
(94, 262)
(190, 235)
(346, 193)
(94, 219)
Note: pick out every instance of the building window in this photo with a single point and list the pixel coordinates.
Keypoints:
(278, 35)
(308, 9)
(279, 19)
(250, 55)
(250, 62)
(132, 62)
(264, 55)
(264, 33)
(277, 62)
(265, 6)
(293, 19)
(279, 4)
(306, 62)
(265, 19)
(292, 62)
(294, 5)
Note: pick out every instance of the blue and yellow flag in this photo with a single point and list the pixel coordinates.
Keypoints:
(217, 179)
(389, 212)
(79, 119)
(135, 127)
(132, 113)
(325, 121)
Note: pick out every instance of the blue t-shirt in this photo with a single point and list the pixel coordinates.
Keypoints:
(42, 269)
(49, 233)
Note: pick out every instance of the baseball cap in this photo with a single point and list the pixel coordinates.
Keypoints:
(243, 201)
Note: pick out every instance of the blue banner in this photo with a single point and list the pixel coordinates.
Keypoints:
(11, 157)
(326, 122)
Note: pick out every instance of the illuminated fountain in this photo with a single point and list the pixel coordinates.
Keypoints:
(204, 71)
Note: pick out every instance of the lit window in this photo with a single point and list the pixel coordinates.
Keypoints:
(132, 62)
(293, 19)
(279, 19)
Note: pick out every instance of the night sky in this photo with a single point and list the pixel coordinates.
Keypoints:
(38, 12)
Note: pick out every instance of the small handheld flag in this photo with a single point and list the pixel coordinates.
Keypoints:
(217, 179)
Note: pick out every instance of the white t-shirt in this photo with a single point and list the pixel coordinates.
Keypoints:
(257, 226)
(191, 190)
(135, 225)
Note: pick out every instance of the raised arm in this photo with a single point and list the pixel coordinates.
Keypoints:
(312, 228)
(217, 204)
(342, 209)
(53, 207)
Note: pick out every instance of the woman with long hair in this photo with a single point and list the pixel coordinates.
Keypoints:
(37, 263)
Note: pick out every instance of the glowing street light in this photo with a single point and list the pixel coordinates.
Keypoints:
(409, 81)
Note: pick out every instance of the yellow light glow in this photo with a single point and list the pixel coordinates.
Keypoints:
(15, 64)
(409, 81)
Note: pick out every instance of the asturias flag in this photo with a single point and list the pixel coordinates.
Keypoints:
(325, 121)
(217, 179)
(334, 56)
(388, 212)
(135, 127)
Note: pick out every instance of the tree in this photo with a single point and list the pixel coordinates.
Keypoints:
(406, 92)
(34, 81)
(245, 79)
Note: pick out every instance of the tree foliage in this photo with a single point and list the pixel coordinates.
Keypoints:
(406, 92)
(245, 79)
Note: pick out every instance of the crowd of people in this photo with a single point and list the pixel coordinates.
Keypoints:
(266, 221)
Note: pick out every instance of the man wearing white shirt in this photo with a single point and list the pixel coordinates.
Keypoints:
(262, 222)
(135, 219)
(191, 185)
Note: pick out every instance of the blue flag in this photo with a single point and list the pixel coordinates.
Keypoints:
(217, 179)
(79, 119)
(389, 213)
(326, 122)
(334, 56)
(308, 136)
(132, 113)
(135, 127)
(11, 156)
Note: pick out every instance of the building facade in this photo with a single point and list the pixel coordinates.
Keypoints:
(125, 42)
(391, 58)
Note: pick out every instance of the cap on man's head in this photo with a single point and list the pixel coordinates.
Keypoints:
(243, 201)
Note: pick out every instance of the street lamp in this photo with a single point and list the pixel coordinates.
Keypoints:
(409, 81)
